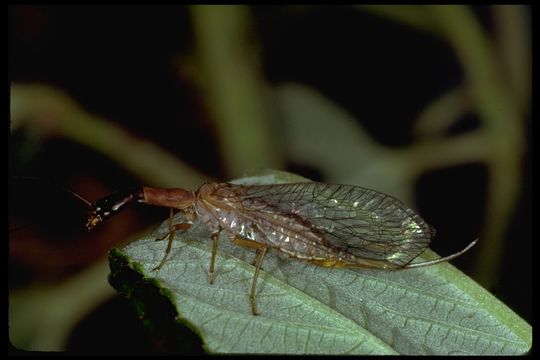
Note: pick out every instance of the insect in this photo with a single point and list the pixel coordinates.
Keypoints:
(336, 226)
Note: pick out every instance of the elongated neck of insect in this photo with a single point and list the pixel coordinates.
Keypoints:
(173, 198)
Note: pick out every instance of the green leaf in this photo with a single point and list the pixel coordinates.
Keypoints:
(306, 309)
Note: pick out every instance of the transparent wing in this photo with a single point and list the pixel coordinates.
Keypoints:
(363, 222)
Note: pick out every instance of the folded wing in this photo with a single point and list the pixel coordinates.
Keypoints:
(360, 221)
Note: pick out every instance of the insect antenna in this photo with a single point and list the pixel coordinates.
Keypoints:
(52, 184)
(44, 204)
(78, 196)
(440, 260)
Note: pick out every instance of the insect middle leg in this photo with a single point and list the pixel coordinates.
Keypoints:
(215, 237)
(172, 229)
(259, 256)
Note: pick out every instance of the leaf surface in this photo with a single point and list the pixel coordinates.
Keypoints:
(306, 309)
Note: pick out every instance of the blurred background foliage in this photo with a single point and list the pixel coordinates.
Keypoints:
(430, 104)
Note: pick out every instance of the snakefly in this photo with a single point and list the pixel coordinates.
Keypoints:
(337, 226)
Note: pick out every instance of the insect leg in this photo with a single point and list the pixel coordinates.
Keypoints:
(260, 257)
(172, 230)
(215, 237)
(182, 226)
(163, 237)
(176, 227)
(254, 262)
(261, 252)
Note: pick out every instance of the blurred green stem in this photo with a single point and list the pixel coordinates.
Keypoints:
(415, 16)
(445, 111)
(434, 154)
(514, 49)
(234, 88)
(51, 112)
(41, 317)
(501, 123)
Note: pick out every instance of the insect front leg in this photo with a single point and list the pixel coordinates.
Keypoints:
(259, 256)
(172, 229)
(181, 226)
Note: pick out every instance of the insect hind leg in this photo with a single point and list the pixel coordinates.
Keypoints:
(257, 262)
